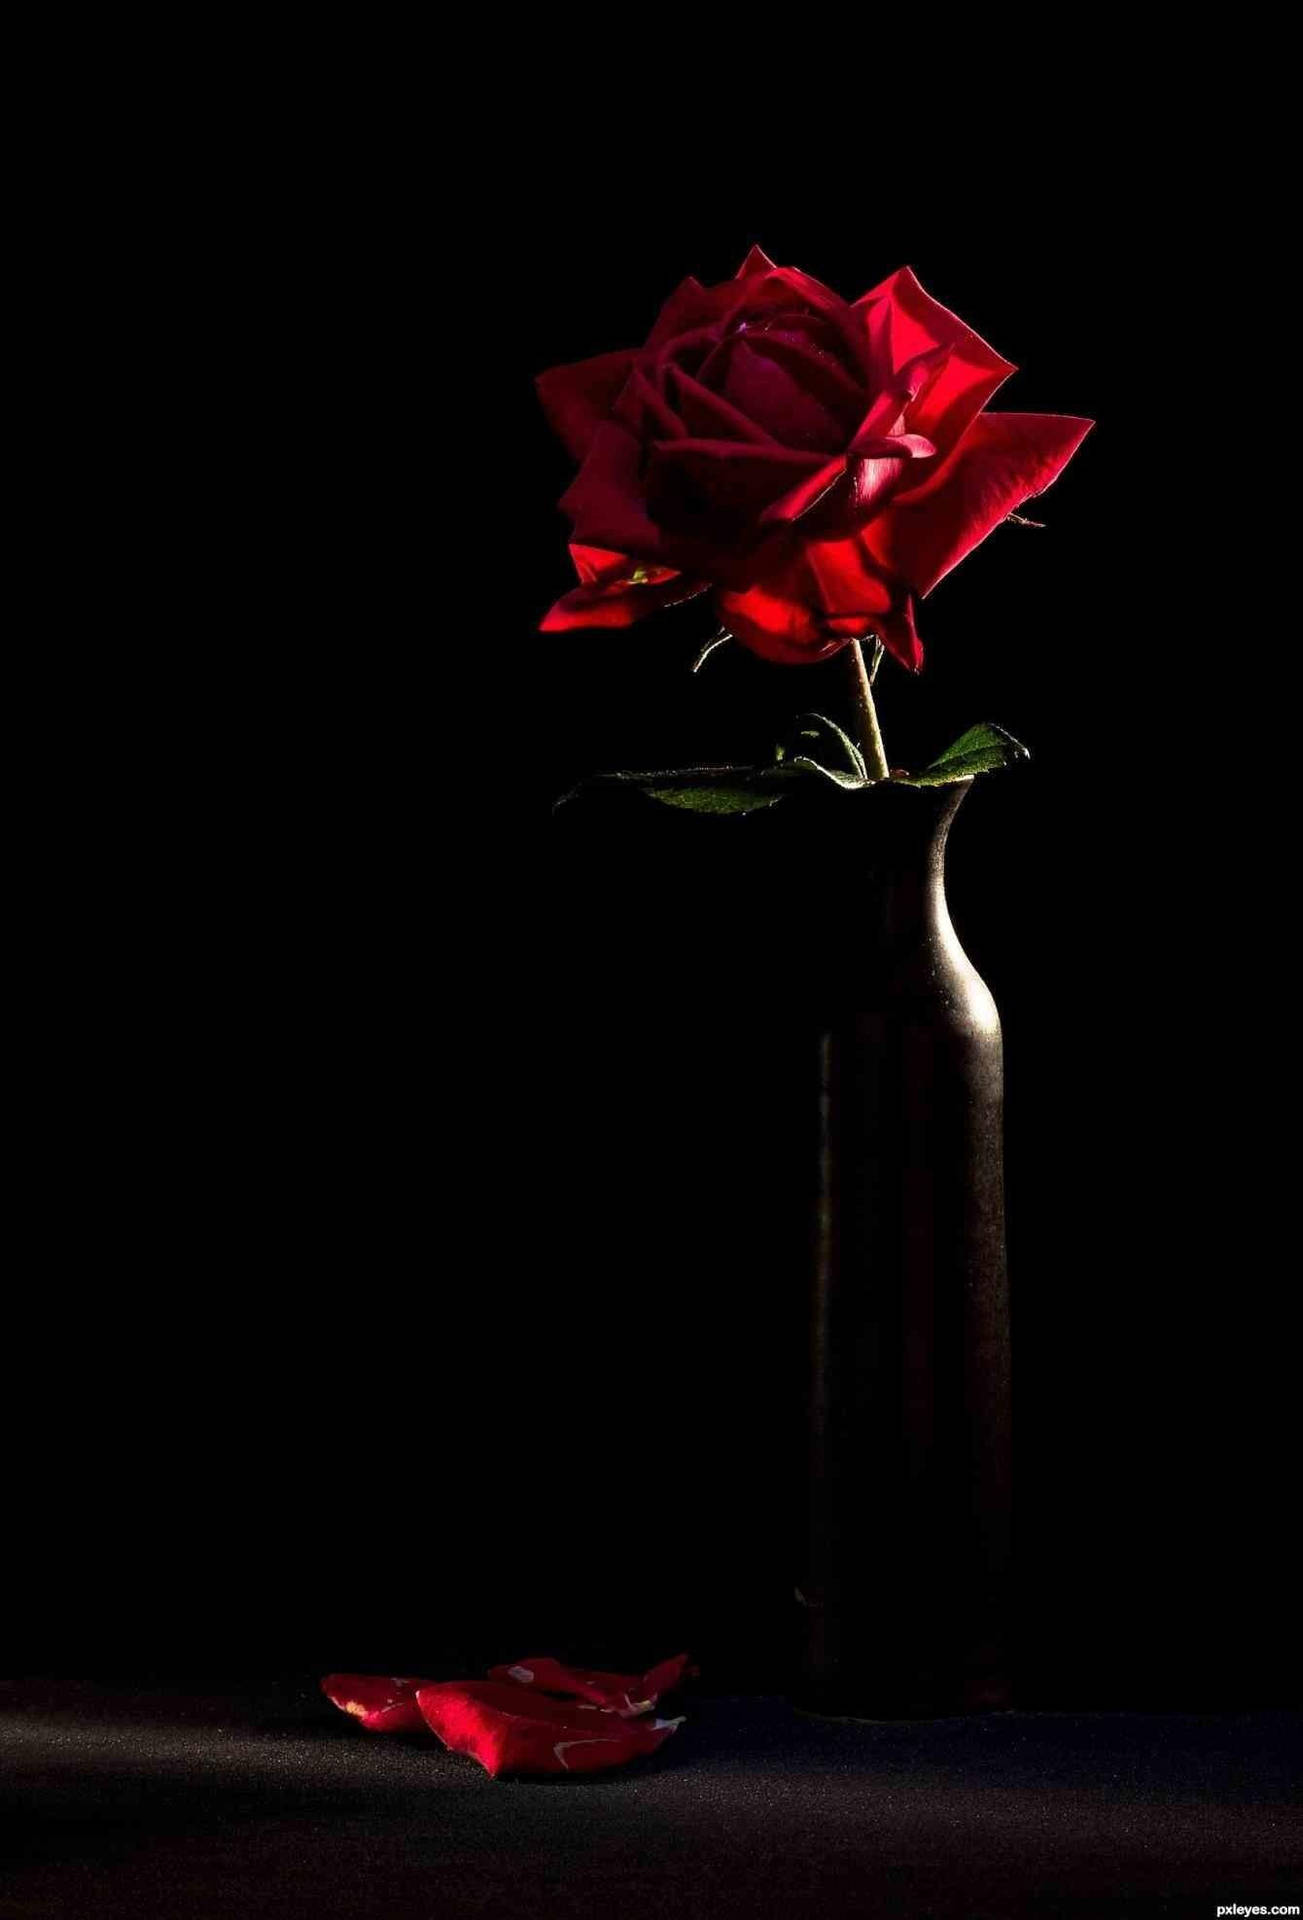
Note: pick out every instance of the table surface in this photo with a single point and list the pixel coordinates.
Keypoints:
(270, 1803)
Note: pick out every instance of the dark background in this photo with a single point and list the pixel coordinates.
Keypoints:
(415, 1266)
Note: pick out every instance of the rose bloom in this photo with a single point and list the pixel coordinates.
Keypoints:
(818, 466)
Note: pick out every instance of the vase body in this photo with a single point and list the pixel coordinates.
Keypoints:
(903, 1591)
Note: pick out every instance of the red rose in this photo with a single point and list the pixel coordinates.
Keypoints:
(817, 464)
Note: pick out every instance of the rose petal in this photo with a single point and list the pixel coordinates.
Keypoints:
(778, 619)
(901, 322)
(757, 261)
(895, 628)
(856, 600)
(605, 499)
(828, 511)
(811, 293)
(720, 488)
(615, 590)
(808, 291)
(823, 595)
(806, 494)
(508, 1722)
(848, 580)
(608, 503)
(509, 1730)
(872, 482)
(624, 1693)
(664, 1676)
(382, 1704)
(619, 603)
(1003, 459)
(898, 634)
(690, 351)
(813, 370)
(805, 308)
(881, 467)
(894, 446)
(766, 390)
(599, 565)
(887, 414)
(709, 416)
(691, 305)
(644, 410)
(577, 398)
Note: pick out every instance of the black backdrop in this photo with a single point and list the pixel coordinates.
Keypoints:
(418, 1239)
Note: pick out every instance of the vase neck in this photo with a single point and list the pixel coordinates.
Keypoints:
(897, 843)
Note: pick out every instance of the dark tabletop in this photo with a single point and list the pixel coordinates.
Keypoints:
(271, 1803)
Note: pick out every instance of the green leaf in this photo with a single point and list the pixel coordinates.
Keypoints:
(742, 790)
(716, 799)
(980, 750)
(852, 782)
(854, 758)
(700, 789)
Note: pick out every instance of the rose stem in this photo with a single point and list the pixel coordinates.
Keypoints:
(870, 732)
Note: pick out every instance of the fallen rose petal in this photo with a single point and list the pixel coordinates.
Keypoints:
(511, 1730)
(665, 1675)
(625, 1693)
(383, 1705)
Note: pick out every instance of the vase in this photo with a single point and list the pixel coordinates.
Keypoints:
(768, 1037)
(903, 1588)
